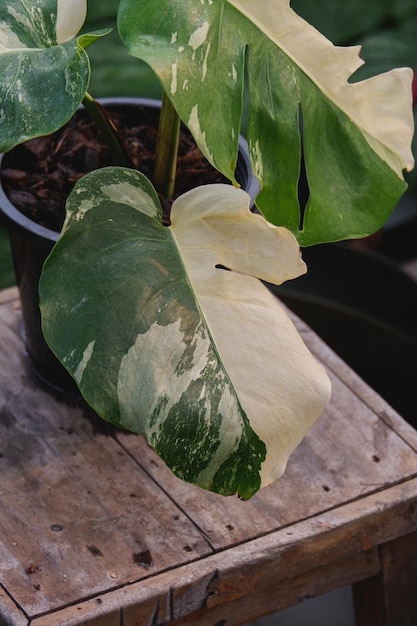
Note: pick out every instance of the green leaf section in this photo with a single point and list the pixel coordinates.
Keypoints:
(42, 83)
(119, 312)
(203, 52)
(28, 24)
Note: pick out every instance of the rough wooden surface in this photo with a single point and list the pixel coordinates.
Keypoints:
(95, 530)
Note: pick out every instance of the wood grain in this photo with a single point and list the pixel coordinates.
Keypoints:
(78, 515)
(95, 530)
(280, 596)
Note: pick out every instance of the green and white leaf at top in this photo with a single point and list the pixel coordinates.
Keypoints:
(204, 362)
(44, 68)
(355, 138)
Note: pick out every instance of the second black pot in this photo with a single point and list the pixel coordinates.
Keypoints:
(364, 307)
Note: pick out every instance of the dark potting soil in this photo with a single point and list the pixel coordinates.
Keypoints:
(39, 174)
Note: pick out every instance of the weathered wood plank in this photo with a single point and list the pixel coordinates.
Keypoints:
(10, 614)
(88, 537)
(285, 594)
(347, 530)
(78, 516)
(229, 576)
(76, 535)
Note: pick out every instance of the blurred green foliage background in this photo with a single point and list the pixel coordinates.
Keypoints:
(386, 29)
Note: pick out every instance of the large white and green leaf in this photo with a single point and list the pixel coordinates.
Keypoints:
(354, 140)
(161, 340)
(44, 68)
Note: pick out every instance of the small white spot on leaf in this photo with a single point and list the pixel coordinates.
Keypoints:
(205, 63)
(87, 354)
(174, 79)
(199, 135)
(67, 359)
(256, 153)
(79, 304)
(84, 207)
(199, 36)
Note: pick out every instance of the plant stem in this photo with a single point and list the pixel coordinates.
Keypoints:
(167, 149)
(108, 130)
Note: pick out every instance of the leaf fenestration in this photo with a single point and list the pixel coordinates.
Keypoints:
(355, 138)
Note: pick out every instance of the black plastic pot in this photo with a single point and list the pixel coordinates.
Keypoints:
(31, 243)
(365, 307)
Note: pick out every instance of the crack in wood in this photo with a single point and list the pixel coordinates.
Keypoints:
(212, 588)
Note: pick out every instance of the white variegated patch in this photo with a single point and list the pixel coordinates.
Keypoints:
(155, 377)
(257, 163)
(132, 195)
(230, 430)
(83, 208)
(198, 134)
(199, 36)
(87, 354)
(280, 386)
(174, 81)
(204, 67)
(159, 377)
(8, 39)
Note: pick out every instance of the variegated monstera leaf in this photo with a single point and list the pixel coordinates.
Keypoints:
(202, 361)
(44, 68)
(355, 139)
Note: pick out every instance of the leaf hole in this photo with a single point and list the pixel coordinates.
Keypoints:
(219, 266)
(303, 188)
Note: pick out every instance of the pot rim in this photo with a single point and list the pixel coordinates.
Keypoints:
(14, 215)
(19, 219)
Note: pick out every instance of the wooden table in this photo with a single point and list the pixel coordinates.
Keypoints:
(94, 529)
